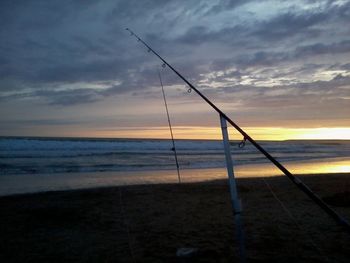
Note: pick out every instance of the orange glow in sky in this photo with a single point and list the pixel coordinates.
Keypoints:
(258, 133)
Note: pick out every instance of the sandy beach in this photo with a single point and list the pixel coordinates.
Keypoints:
(148, 223)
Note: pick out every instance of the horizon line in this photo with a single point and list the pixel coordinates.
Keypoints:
(148, 138)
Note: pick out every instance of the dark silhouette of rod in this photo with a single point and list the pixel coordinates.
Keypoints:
(339, 219)
(170, 128)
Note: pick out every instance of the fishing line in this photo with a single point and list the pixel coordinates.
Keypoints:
(170, 127)
(294, 220)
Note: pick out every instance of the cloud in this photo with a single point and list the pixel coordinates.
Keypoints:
(224, 5)
(303, 24)
(291, 95)
(321, 49)
(288, 25)
(49, 45)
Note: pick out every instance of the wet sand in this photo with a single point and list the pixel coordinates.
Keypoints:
(32, 183)
(148, 223)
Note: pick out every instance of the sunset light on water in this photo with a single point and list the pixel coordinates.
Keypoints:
(311, 167)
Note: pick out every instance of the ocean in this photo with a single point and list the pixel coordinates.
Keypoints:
(67, 155)
(39, 164)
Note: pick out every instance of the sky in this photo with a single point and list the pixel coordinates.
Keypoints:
(279, 69)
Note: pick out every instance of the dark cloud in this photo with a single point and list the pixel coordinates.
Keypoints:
(273, 58)
(224, 5)
(261, 59)
(308, 24)
(68, 97)
(344, 67)
(338, 86)
(201, 35)
(320, 49)
(290, 24)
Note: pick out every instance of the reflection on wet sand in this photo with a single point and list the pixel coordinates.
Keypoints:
(13, 184)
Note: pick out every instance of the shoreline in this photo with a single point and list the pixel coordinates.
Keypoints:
(148, 223)
(31, 183)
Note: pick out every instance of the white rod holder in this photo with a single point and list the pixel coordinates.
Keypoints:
(236, 204)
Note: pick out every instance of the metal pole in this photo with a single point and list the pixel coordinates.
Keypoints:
(236, 204)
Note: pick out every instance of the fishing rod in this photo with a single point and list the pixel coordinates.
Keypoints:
(303, 187)
(170, 128)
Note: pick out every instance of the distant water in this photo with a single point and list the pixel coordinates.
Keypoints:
(61, 155)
